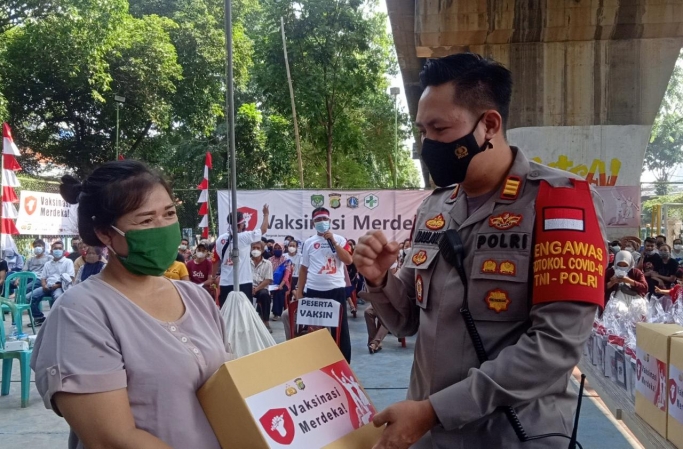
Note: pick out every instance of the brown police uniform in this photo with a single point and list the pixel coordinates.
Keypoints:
(535, 258)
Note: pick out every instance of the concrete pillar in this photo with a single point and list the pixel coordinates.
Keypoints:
(589, 74)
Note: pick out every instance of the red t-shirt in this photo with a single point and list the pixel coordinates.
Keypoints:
(676, 292)
(199, 272)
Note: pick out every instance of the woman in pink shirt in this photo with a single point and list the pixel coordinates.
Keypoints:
(122, 355)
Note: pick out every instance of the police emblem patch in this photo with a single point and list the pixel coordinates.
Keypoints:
(420, 257)
(507, 268)
(317, 200)
(505, 221)
(489, 266)
(497, 300)
(436, 223)
(419, 288)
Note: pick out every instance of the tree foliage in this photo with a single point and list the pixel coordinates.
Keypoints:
(665, 151)
(63, 61)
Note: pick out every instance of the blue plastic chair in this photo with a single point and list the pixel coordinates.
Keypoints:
(7, 357)
(21, 302)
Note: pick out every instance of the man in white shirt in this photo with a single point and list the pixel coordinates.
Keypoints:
(323, 260)
(52, 279)
(262, 271)
(222, 259)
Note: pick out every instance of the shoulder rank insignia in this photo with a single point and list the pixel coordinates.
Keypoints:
(511, 188)
(420, 257)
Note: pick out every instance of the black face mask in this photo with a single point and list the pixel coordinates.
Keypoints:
(448, 162)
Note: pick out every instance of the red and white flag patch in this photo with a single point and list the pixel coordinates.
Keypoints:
(563, 219)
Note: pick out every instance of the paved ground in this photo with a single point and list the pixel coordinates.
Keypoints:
(385, 375)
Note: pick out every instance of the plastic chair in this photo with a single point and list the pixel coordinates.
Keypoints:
(24, 358)
(21, 302)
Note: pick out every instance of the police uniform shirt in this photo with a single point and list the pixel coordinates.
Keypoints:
(533, 327)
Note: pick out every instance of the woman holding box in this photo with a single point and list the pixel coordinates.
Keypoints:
(121, 356)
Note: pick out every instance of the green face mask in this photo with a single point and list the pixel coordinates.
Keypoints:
(150, 251)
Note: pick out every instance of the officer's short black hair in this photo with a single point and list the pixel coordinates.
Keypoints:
(650, 240)
(39, 242)
(270, 241)
(660, 236)
(480, 83)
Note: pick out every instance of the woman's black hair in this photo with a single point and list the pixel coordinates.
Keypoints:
(111, 191)
(180, 258)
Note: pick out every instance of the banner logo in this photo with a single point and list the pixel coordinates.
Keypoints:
(672, 391)
(335, 200)
(279, 425)
(371, 201)
(352, 202)
(317, 200)
(250, 217)
(30, 205)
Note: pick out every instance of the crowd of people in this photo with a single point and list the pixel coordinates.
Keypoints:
(640, 268)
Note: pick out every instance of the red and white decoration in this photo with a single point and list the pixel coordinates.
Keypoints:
(204, 198)
(9, 182)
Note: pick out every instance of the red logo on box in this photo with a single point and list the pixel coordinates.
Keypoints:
(279, 425)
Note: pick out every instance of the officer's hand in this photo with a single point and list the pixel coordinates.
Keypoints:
(374, 255)
(329, 236)
(406, 422)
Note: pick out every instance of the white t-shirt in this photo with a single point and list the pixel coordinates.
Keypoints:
(325, 269)
(296, 262)
(244, 241)
(54, 269)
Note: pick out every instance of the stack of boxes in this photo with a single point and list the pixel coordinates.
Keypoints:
(653, 375)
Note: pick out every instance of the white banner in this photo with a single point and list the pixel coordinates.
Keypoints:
(318, 312)
(353, 213)
(46, 213)
(313, 410)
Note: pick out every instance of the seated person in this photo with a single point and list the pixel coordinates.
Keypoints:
(676, 291)
(178, 270)
(650, 263)
(262, 272)
(92, 263)
(623, 276)
(15, 262)
(665, 275)
(51, 280)
(200, 269)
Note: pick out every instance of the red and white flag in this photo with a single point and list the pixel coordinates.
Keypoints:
(204, 197)
(9, 181)
(563, 218)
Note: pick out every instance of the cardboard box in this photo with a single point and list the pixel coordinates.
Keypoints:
(675, 393)
(300, 394)
(652, 358)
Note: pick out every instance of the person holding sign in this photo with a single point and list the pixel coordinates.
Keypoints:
(503, 280)
(322, 271)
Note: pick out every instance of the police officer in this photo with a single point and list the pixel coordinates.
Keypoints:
(534, 263)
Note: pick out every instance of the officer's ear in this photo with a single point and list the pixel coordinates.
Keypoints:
(493, 122)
